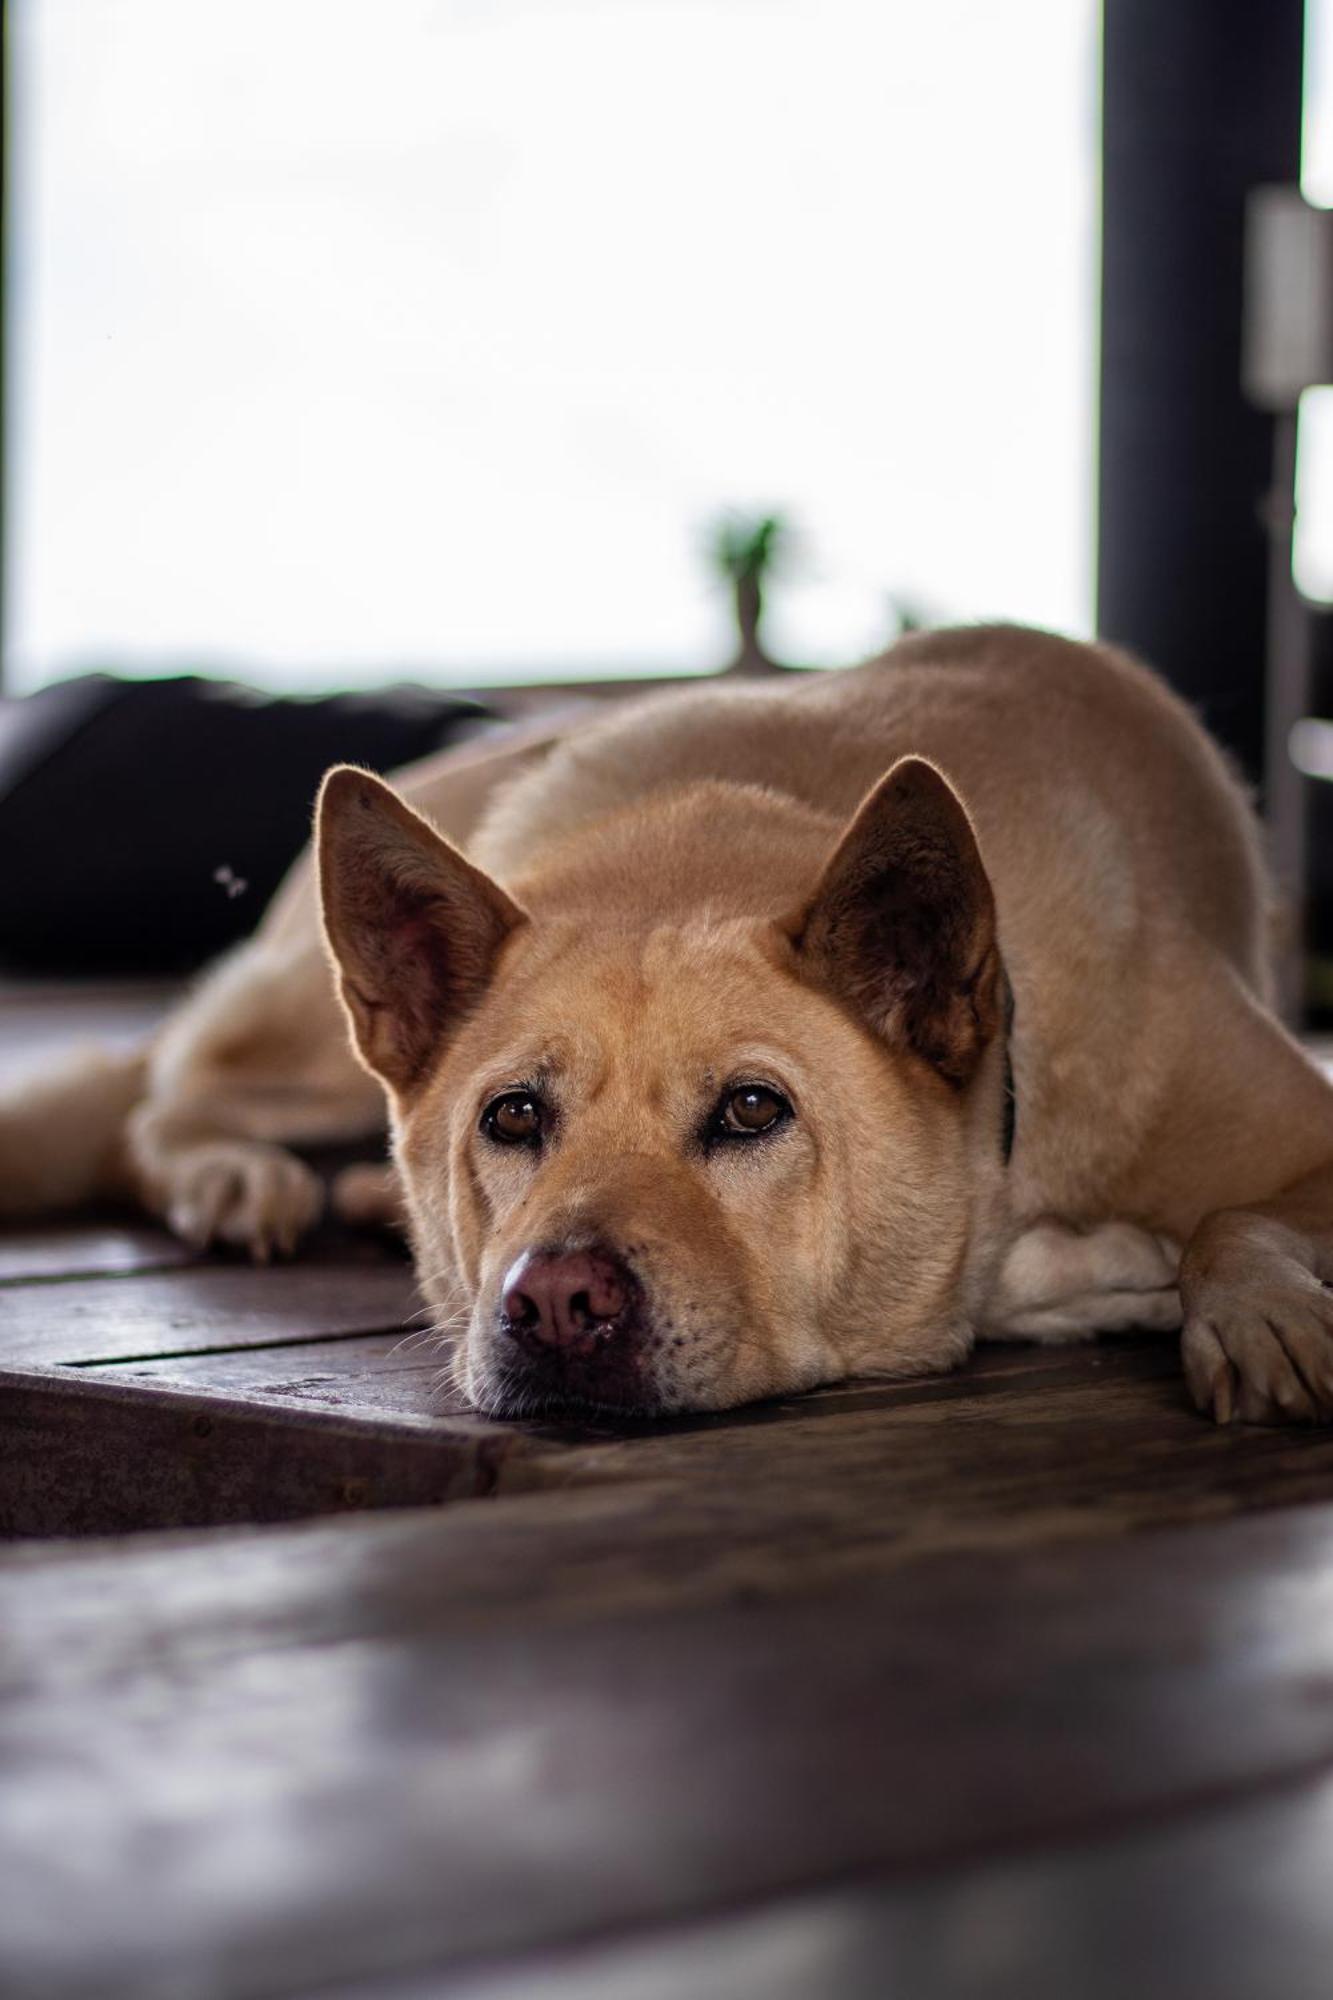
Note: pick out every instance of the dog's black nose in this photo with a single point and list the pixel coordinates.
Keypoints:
(568, 1302)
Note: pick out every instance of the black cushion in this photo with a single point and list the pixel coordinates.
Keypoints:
(145, 824)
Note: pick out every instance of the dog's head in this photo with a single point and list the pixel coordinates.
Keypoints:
(677, 1158)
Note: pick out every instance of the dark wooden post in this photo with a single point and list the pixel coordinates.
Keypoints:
(1202, 101)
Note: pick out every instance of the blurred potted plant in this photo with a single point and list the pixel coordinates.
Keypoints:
(745, 551)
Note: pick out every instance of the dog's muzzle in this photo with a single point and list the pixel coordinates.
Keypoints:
(572, 1329)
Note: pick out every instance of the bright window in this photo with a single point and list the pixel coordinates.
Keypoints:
(427, 337)
(1313, 554)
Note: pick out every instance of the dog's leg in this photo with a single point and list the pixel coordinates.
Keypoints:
(62, 1132)
(1059, 1283)
(1255, 1275)
(255, 1062)
(1258, 1340)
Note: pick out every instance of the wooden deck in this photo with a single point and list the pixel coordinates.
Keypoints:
(1017, 1683)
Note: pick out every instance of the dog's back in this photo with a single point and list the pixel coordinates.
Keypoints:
(1095, 793)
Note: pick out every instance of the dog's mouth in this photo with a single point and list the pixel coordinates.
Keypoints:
(524, 1392)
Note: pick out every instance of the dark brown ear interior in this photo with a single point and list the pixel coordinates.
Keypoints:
(902, 924)
(414, 929)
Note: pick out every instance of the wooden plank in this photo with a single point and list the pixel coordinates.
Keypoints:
(86, 1249)
(1025, 1445)
(1232, 1904)
(400, 1376)
(213, 1305)
(1105, 1444)
(1022, 1443)
(364, 1749)
(245, 1435)
(87, 1457)
(406, 1377)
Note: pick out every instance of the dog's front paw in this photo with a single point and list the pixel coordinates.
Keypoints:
(1260, 1347)
(238, 1191)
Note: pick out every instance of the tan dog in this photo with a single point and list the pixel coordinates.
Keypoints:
(820, 1025)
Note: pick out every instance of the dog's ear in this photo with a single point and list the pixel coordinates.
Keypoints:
(902, 924)
(414, 929)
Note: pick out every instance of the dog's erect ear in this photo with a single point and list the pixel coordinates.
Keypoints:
(414, 929)
(902, 924)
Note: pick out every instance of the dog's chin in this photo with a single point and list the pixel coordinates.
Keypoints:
(516, 1393)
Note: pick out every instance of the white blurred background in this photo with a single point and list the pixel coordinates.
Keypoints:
(350, 343)
(425, 338)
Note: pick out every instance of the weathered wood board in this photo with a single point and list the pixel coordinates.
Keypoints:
(349, 1751)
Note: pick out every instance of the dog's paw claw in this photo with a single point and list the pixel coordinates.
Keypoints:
(1262, 1354)
(255, 1197)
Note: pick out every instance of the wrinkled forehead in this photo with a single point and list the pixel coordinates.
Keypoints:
(642, 1010)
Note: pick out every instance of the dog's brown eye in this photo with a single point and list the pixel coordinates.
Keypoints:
(514, 1119)
(753, 1108)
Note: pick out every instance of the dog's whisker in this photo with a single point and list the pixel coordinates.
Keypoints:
(419, 1337)
(447, 1380)
(447, 1275)
(453, 1321)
